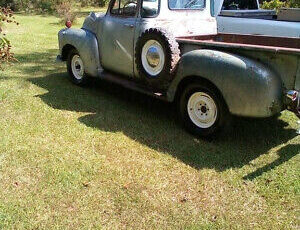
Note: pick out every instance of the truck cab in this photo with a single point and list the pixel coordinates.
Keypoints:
(120, 28)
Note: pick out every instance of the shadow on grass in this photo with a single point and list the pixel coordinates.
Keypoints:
(154, 124)
(285, 154)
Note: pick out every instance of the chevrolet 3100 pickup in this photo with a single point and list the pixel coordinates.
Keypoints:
(171, 49)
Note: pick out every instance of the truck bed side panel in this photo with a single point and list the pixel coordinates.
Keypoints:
(249, 88)
(285, 65)
(282, 55)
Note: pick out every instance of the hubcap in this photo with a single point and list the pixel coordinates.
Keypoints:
(153, 57)
(202, 110)
(77, 67)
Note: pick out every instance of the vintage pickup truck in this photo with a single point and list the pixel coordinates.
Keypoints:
(170, 49)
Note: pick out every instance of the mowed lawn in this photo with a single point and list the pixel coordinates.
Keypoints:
(107, 158)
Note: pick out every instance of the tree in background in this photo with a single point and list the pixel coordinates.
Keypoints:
(6, 16)
(48, 5)
(277, 4)
(52, 6)
(65, 9)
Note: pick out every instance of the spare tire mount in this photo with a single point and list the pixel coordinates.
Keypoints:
(156, 56)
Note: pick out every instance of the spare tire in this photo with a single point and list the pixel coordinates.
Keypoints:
(156, 56)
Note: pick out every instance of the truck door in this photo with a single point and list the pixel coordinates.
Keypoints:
(117, 48)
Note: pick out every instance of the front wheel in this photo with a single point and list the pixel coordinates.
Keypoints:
(76, 68)
(202, 110)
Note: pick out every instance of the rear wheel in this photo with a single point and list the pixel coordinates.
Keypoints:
(202, 110)
(76, 68)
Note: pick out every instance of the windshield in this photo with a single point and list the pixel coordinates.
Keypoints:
(186, 4)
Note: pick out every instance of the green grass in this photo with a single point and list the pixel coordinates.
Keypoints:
(108, 158)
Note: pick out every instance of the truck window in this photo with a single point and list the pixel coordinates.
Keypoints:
(124, 8)
(186, 4)
(240, 5)
(150, 8)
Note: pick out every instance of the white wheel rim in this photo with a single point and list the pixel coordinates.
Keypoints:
(202, 110)
(77, 67)
(153, 45)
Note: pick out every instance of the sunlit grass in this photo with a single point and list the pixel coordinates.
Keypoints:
(105, 157)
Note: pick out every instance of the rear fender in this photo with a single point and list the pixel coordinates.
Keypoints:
(248, 87)
(86, 44)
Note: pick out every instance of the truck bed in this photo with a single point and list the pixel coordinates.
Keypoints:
(248, 42)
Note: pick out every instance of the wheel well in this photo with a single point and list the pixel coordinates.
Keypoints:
(65, 51)
(193, 79)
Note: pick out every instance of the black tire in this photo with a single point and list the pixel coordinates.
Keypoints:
(80, 82)
(222, 114)
(171, 52)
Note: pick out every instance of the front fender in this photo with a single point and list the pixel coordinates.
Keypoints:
(249, 88)
(86, 44)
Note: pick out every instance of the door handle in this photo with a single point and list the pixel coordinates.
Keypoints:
(129, 25)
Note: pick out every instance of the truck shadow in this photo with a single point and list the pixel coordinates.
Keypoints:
(284, 154)
(153, 123)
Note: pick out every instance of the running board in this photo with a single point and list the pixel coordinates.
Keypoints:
(130, 84)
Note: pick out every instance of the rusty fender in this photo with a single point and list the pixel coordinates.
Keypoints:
(248, 87)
